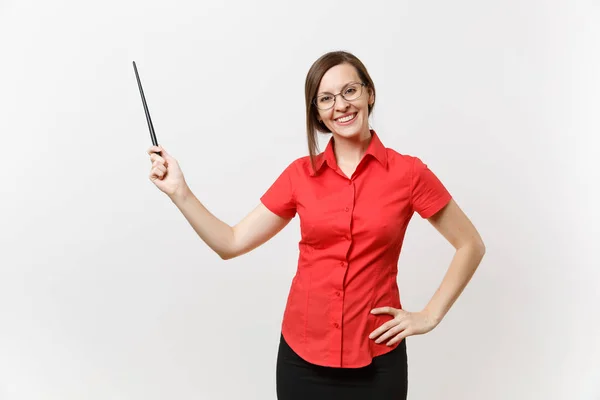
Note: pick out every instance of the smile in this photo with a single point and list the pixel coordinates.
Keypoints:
(346, 119)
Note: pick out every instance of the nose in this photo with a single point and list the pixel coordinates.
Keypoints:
(340, 103)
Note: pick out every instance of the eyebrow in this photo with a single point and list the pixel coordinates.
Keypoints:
(320, 93)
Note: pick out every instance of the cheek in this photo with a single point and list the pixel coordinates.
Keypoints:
(325, 116)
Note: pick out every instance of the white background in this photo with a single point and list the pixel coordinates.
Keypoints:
(107, 293)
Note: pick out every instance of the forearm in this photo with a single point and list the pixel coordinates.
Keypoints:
(461, 269)
(215, 233)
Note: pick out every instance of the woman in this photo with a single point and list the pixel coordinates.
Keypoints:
(344, 329)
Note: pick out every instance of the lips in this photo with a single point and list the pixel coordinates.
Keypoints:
(345, 119)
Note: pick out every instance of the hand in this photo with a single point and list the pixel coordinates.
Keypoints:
(165, 172)
(404, 324)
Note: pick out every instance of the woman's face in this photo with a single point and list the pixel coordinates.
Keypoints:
(348, 119)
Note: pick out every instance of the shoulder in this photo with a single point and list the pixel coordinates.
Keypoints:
(299, 167)
(407, 167)
(396, 156)
(402, 161)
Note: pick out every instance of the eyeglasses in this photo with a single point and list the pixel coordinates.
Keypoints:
(351, 92)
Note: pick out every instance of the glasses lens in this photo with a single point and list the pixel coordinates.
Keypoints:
(325, 101)
(352, 92)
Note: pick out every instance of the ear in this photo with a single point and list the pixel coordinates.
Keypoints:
(371, 97)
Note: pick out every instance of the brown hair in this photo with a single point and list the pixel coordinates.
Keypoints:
(313, 80)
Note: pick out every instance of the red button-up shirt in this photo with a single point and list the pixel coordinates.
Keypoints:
(352, 231)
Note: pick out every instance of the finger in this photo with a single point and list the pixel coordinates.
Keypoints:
(384, 310)
(398, 338)
(156, 157)
(383, 328)
(157, 172)
(390, 332)
(166, 156)
(159, 162)
(153, 149)
(162, 168)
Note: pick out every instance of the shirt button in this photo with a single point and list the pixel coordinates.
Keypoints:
(346, 209)
(342, 264)
(336, 325)
(338, 294)
(349, 182)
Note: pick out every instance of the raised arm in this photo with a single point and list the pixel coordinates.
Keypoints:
(228, 242)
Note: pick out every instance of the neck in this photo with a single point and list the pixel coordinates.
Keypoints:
(349, 151)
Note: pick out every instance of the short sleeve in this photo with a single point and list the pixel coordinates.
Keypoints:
(428, 194)
(280, 198)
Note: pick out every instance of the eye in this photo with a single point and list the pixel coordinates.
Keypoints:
(324, 99)
(350, 90)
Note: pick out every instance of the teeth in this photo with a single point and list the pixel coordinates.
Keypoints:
(346, 119)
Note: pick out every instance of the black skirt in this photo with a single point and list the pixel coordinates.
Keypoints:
(386, 378)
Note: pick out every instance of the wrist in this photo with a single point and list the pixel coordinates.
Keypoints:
(180, 194)
(433, 316)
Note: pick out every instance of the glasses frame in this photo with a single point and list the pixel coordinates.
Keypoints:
(362, 84)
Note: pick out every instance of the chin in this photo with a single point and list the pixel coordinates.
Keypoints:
(350, 131)
(354, 133)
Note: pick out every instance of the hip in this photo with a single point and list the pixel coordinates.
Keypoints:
(386, 377)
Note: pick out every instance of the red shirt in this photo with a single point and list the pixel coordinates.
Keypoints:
(352, 231)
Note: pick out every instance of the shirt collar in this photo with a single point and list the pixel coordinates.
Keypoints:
(376, 149)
